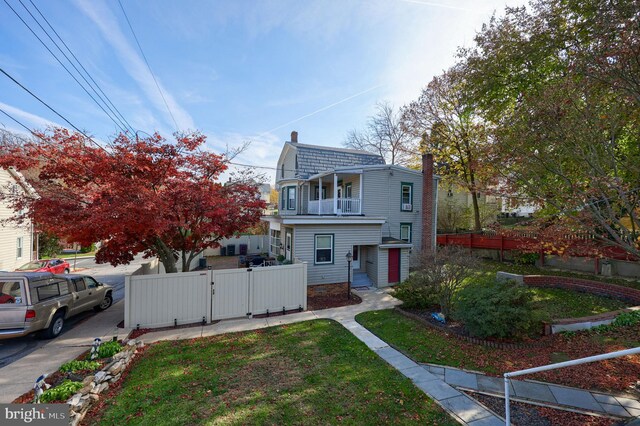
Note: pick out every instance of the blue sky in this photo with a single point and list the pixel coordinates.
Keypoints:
(235, 70)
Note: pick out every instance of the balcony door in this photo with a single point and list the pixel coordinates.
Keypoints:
(356, 257)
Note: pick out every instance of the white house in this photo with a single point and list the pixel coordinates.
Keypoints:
(16, 242)
(335, 201)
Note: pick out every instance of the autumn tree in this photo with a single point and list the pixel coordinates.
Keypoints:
(138, 195)
(384, 135)
(558, 83)
(453, 132)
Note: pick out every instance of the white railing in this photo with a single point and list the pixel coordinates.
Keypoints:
(507, 376)
(346, 206)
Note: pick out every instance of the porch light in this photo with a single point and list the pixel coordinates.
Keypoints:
(349, 256)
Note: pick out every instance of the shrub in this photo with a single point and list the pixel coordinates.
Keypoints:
(73, 366)
(626, 319)
(520, 258)
(88, 249)
(497, 309)
(108, 349)
(440, 275)
(415, 294)
(62, 392)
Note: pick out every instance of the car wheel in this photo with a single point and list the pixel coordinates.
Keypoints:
(66, 271)
(105, 304)
(55, 328)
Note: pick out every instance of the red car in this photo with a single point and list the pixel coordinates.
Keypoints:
(56, 266)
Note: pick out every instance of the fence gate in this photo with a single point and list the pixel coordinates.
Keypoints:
(230, 293)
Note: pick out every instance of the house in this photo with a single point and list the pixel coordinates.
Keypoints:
(334, 201)
(16, 242)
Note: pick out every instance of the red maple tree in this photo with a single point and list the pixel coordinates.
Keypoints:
(139, 195)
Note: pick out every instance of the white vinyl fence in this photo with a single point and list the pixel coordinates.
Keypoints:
(153, 301)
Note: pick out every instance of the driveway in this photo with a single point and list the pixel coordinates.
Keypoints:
(13, 349)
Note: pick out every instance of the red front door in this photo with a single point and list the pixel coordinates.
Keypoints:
(394, 265)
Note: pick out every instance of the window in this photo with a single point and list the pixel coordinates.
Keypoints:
(348, 190)
(317, 193)
(10, 292)
(19, 242)
(282, 171)
(324, 249)
(291, 197)
(91, 283)
(80, 285)
(405, 232)
(48, 291)
(406, 197)
(283, 198)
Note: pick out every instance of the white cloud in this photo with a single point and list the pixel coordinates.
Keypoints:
(30, 120)
(109, 26)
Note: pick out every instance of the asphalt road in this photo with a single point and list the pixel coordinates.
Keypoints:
(13, 349)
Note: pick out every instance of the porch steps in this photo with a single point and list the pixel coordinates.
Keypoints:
(361, 279)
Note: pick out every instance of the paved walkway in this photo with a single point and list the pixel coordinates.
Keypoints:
(539, 392)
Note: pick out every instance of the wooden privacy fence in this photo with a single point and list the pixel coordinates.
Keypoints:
(153, 301)
(524, 241)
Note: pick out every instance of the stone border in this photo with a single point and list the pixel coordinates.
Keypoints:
(598, 288)
(474, 340)
(94, 385)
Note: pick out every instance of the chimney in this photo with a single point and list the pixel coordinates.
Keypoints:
(294, 137)
(427, 203)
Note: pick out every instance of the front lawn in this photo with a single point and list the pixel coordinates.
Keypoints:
(425, 344)
(313, 372)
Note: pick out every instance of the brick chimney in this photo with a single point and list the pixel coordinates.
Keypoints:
(427, 203)
(294, 137)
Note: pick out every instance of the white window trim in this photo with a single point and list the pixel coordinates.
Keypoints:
(315, 249)
(20, 246)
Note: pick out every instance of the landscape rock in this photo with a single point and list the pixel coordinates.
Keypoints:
(100, 376)
(87, 380)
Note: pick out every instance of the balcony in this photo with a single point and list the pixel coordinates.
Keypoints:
(340, 206)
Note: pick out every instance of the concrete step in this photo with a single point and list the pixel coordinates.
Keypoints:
(361, 279)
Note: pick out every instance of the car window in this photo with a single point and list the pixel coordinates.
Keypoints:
(10, 292)
(48, 291)
(80, 285)
(91, 283)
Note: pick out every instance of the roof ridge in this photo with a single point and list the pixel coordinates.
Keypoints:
(330, 148)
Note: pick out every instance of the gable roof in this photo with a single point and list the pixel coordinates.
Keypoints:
(313, 159)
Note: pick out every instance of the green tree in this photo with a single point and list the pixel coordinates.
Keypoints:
(48, 244)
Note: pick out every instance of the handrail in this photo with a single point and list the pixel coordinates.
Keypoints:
(616, 354)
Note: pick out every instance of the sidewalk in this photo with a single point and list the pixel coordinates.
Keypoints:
(539, 392)
(19, 376)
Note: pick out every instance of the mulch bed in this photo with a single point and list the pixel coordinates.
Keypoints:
(315, 303)
(531, 415)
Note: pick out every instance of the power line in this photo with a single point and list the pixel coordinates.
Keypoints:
(129, 126)
(51, 109)
(148, 66)
(60, 62)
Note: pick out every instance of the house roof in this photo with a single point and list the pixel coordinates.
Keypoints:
(313, 159)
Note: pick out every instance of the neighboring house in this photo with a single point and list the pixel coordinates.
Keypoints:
(16, 242)
(334, 201)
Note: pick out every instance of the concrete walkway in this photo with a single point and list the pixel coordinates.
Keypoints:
(19, 376)
(539, 392)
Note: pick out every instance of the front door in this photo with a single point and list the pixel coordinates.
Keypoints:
(287, 252)
(356, 257)
(394, 265)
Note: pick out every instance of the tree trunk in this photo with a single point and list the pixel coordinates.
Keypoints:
(165, 254)
(477, 226)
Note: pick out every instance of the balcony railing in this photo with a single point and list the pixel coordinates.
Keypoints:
(346, 206)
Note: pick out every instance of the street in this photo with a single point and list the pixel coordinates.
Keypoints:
(13, 349)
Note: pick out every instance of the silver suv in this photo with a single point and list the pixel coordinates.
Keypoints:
(42, 301)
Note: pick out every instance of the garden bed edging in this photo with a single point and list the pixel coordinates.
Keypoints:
(96, 384)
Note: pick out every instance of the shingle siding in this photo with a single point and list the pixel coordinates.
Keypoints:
(312, 159)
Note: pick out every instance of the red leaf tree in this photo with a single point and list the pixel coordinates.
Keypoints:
(142, 195)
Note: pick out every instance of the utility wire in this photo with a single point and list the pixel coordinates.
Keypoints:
(52, 109)
(63, 66)
(119, 114)
(148, 66)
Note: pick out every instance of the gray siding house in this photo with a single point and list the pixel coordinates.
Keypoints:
(334, 201)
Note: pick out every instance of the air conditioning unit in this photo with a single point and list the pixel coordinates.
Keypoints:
(406, 206)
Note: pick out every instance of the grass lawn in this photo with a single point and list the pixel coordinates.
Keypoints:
(559, 303)
(425, 344)
(71, 256)
(313, 373)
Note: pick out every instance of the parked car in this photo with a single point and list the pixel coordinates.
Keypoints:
(55, 266)
(42, 301)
